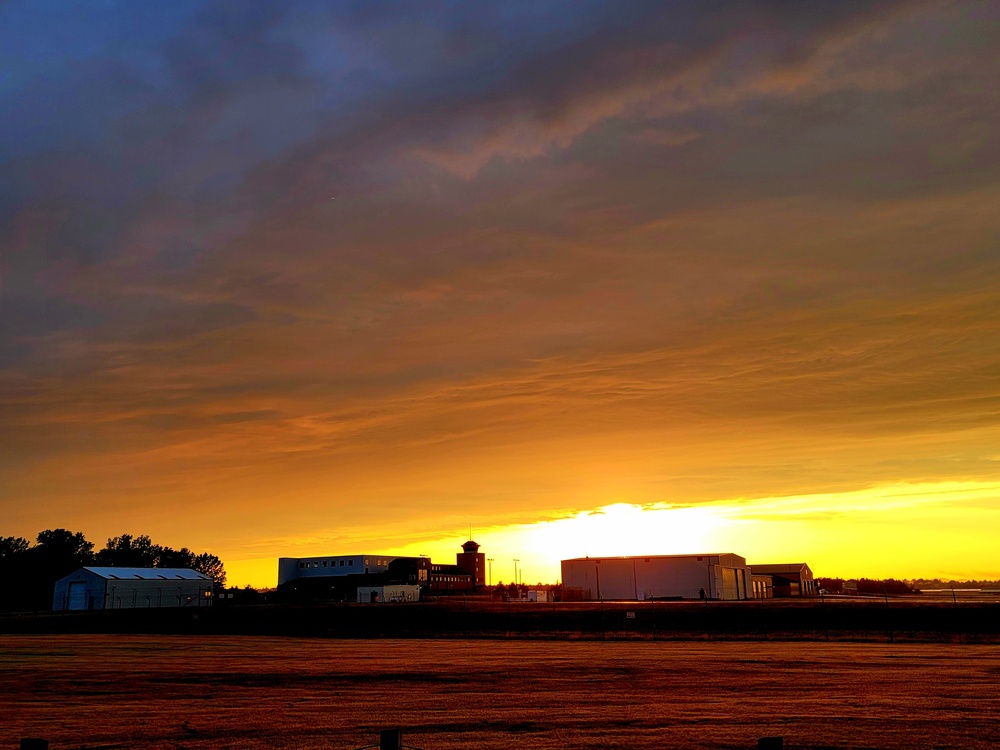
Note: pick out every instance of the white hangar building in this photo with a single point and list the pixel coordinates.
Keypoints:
(132, 588)
(708, 576)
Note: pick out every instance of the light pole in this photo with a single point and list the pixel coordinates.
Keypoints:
(516, 561)
(490, 561)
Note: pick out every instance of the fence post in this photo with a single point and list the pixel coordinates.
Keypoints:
(390, 739)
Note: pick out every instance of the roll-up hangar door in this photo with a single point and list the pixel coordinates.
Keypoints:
(77, 597)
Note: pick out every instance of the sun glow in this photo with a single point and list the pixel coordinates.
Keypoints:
(900, 530)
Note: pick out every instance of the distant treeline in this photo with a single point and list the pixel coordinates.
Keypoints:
(893, 587)
(29, 571)
(869, 586)
(511, 590)
(937, 583)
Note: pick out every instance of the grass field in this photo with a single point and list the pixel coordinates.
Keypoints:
(911, 620)
(202, 693)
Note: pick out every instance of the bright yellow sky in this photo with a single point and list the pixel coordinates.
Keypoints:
(890, 531)
(395, 273)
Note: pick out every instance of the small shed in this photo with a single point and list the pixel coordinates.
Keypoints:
(788, 579)
(132, 588)
(400, 592)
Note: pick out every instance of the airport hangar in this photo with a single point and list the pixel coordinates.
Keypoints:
(132, 588)
(708, 576)
(786, 579)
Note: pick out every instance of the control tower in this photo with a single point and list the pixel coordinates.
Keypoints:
(473, 562)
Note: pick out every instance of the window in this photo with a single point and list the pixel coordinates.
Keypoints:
(302, 564)
(341, 563)
(350, 563)
(324, 563)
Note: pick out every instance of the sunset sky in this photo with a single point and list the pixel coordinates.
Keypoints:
(597, 278)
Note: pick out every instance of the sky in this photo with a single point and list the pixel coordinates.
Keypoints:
(578, 278)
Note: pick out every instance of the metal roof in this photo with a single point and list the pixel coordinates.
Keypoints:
(779, 568)
(651, 557)
(149, 574)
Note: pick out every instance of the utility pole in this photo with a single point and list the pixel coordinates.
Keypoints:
(516, 561)
(490, 561)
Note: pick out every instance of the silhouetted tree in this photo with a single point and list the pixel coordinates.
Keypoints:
(211, 566)
(58, 553)
(175, 558)
(12, 546)
(126, 551)
(64, 542)
(15, 572)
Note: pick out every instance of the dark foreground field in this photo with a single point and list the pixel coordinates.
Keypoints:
(201, 692)
(897, 620)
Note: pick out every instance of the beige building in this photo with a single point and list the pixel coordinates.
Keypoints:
(787, 579)
(707, 576)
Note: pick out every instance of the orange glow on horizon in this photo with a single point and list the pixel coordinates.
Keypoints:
(898, 531)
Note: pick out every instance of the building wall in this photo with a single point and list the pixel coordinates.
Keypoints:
(155, 594)
(473, 564)
(290, 568)
(86, 590)
(449, 578)
(468, 573)
(689, 576)
(388, 594)
(788, 580)
(81, 590)
(762, 587)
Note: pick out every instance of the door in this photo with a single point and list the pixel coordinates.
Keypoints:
(77, 597)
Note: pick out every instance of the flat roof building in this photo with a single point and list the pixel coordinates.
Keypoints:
(290, 568)
(340, 576)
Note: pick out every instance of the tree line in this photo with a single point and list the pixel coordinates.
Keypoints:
(867, 586)
(29, 571)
